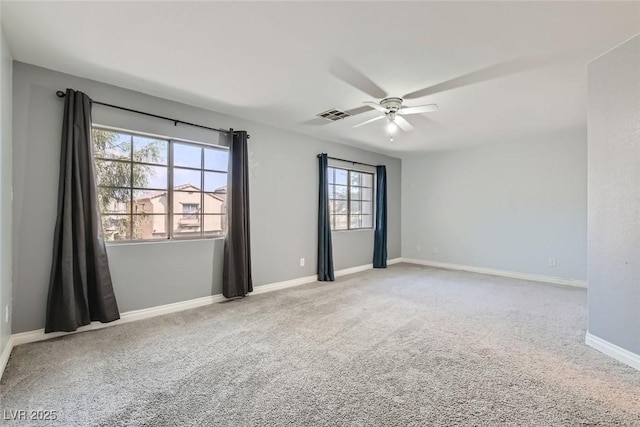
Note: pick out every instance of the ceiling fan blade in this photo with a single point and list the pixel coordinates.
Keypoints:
(403, 124)
(419, 109)
(358, 110)
(355, 78)
(478, 76)
(376, 106)
(368, 121)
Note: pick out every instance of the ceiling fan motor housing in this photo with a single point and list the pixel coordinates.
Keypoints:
(392, 104)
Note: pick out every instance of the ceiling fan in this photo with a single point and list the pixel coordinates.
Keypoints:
(393, 111)
(392, 108)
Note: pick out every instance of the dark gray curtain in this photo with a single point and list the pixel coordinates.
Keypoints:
(236, 276)
(80, 288)
(380, 235)
(325, 252)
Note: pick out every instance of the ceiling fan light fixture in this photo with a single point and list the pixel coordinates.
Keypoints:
(393, 110)
(391, 127)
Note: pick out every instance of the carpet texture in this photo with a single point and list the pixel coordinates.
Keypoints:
(408, 345)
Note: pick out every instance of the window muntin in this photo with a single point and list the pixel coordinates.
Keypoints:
(152, 188)
(350, 199)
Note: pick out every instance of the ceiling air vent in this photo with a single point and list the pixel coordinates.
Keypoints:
(334, 115)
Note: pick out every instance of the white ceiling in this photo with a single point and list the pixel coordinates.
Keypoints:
(498, 71)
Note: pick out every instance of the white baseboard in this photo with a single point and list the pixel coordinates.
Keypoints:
(310, 279)
(4, 357)
(502, 273)
(352, 270)
(365, 267)
(283, 285)
(126, 317)
(146, 313)
(612, 350)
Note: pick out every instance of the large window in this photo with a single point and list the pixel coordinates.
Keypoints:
(155, 188)
(350, 199)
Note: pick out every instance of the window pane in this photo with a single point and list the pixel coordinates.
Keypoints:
(356, 193)
(187, 155)
(150, 150)
(356, 178)
(115, 174)
(114, 200)
(215, 182)
(331, 191)
(111, 145)
(160, 226)
(214, 224)
(216, 159)
(147, 227)
(331, 207)
(188, 224)
(341, 176)
(356, 221)
(150, 202)
(340, 207)
(356, 207)
(186, 178)
(115, 227)
(340, 192)
(181, 198)
(330, 175)
(367, 208)
(366, 193)
(215, 203)
(367, 180)
(146, 176)
(341, 222)
(367, 221)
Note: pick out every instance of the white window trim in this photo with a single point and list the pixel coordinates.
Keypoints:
(170, 238)
(369, 170)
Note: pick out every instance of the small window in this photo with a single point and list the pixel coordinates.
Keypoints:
(153, 188)
(350, 199)
(190, 210)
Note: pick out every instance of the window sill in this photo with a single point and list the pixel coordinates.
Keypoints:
(353, 231)
(162, 241)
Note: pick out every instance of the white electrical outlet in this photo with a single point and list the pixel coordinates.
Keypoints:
(418, 248)
(6, 313)
(552, 262)
(301, 262)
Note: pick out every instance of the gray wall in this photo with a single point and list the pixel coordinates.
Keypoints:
(506, 206)
(5, 190)
(283, 186)
(614, 196)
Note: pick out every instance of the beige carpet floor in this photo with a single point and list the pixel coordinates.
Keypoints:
(403, 346)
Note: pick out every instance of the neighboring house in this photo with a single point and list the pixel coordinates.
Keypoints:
(190, 205)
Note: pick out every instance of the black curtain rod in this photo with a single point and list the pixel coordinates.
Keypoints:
(61, 94)
(349, 161)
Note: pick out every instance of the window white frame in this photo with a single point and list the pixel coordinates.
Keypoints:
(349, 203)
(171, 142)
